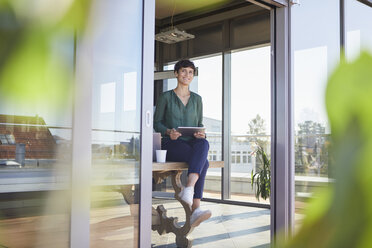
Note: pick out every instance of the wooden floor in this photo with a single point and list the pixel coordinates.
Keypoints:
(110, 227)
(35, 231)
(116, 226)
(113, 223)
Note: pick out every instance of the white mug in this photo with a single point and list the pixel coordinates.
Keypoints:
(161, 155)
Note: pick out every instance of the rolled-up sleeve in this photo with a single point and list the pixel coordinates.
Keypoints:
(159, 115)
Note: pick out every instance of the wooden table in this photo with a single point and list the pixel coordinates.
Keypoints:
(160, 221)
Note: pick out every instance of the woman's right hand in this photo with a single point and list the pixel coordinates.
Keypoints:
(173, 134)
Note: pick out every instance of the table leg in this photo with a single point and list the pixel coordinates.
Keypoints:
(170, 224)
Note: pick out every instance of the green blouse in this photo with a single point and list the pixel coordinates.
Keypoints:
(172, 113)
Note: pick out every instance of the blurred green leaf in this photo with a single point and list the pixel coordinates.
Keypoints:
(33, 73)
(32, 68)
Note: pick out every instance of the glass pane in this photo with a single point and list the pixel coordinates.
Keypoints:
(116, 109)
(209, 87)
(35, 147)
(358, 30)
(315, 56)
(250, 118)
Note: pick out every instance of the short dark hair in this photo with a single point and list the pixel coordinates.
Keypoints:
(184, 64)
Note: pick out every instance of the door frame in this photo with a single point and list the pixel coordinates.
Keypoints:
(147, 95)
(282, 150)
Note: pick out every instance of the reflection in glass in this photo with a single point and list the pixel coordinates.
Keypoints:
(315, 56)
(250, 118)
(116, 124)
(35, 161)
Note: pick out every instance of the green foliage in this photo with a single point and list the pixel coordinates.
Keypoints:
(34, 67)
(341, 216)
(311, 149)
(262, 177)
(257, 125)
(311, 127)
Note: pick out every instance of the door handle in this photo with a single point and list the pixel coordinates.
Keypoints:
(148, 118)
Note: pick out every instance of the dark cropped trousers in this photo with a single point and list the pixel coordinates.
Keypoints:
(195, 153)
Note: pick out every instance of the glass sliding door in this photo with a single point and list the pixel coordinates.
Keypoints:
(314, 58)
(250, 119)
(116, 124)
(36, 138)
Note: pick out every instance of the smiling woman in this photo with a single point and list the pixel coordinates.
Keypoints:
(181, 107)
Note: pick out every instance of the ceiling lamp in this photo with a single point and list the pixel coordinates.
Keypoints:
(173, 35)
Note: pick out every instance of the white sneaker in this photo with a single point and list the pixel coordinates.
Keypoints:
(198, 216)
(187, 195)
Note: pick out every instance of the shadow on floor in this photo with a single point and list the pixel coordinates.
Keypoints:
(246, 215)
(213, 238)
(230, 235)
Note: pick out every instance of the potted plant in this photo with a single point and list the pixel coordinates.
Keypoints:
(262, 178)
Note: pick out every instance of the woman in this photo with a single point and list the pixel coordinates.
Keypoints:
(182, 107)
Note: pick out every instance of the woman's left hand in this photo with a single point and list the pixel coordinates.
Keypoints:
(199, 135)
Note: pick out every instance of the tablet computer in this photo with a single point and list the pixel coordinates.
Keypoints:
(189, 131)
